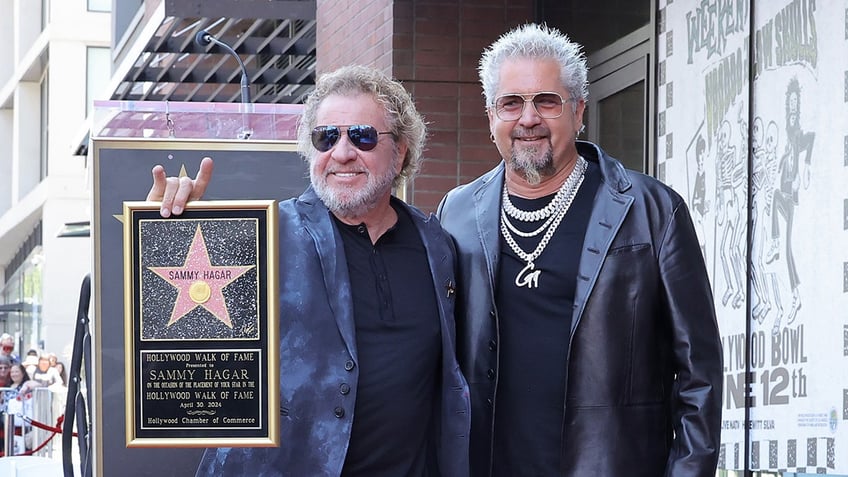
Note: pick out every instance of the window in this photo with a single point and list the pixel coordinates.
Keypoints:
(43, 122)
(45, 14)
(100, 5)
(617, 114)
(21, 295)
(97, 71)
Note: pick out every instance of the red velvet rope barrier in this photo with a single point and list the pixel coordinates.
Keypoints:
(57, 429)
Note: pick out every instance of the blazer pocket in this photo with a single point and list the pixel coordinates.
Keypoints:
(628, 249)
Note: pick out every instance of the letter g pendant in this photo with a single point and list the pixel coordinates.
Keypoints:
(528, 276)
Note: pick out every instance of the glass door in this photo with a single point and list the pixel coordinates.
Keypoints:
(617, 116)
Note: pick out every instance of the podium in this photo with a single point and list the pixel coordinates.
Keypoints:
(255, 155)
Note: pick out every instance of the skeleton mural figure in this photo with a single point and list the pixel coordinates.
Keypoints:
(730, 182)
(700, 204)
(763, 279)
(786, 196)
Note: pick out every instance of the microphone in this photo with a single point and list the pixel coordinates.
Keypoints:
(203, 39)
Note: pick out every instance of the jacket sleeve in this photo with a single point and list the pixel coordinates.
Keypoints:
(697, 393)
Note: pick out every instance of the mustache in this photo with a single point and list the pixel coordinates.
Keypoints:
(520, 133)
(340, 170)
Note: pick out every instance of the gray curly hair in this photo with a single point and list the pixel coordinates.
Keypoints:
(403, 119)
(535, 41)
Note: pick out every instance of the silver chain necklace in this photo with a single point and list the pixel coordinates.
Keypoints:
(553, 205)
(529, 276)
(514, 229)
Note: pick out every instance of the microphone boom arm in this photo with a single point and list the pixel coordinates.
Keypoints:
(204, 38)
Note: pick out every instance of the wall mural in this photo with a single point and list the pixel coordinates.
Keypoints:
(771, 211)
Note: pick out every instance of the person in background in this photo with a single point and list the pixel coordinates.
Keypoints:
(5, 368)
(369, 382)
(31, 361)
(60, 368)
(44, 374)
(5, 382)
(7, 347)
(21, 383)
(17, 400)
(52, 359)
(586, 325)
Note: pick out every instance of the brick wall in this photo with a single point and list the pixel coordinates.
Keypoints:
(433, 47)
(354, 32)
(437, 48)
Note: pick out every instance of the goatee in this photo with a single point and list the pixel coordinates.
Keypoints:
(533, 164)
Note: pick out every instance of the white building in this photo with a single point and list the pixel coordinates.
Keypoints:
(50, 71)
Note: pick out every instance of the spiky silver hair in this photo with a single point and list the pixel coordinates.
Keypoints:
(535, 41)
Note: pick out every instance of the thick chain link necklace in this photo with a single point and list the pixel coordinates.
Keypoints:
(529, 276)
(536, 215)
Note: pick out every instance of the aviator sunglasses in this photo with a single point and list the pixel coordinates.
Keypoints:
(548, 105)
(363, 136)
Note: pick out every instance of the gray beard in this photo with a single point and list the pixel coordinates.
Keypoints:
(358, 206)
(532, 170)
(349, 202)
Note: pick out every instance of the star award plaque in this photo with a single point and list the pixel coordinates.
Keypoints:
(201, 325)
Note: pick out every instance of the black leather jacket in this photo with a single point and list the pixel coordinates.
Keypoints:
(644, 382)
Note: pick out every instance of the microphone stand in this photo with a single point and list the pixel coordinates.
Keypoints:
(203, 39)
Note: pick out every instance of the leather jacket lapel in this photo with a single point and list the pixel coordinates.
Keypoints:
(319, 224)
(611, 205)
(607, 216)
(487, 202)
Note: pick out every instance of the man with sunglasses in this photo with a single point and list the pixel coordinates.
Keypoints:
(585, 327)
(7, 347)
(370, 385)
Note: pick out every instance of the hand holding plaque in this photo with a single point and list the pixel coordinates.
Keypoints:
(201, 313)
(175, 192)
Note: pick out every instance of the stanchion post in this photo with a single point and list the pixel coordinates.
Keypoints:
(9, 426)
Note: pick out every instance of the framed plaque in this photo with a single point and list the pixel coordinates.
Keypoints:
(201, 325)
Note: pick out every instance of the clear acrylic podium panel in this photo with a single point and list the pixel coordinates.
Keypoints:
(194, 120)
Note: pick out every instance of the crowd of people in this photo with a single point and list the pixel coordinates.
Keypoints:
(19, 378)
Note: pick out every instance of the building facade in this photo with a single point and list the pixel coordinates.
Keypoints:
(48, 72)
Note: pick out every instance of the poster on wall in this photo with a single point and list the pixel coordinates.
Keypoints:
(702, 153)
(799, 403)
(765, 180)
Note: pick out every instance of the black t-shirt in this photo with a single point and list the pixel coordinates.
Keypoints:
(398, 341)
(535, 326)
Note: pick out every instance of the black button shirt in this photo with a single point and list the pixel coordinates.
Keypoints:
(398, 340)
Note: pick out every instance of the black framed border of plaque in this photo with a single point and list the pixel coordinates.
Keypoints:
(201, 325)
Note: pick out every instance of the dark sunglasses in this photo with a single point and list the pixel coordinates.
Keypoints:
(8, 348)
(363, 136)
